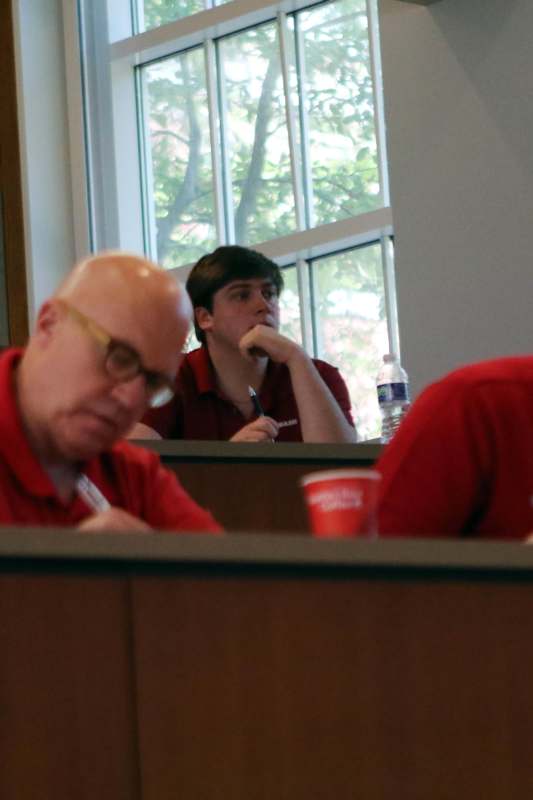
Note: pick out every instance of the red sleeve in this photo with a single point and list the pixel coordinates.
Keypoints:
(153, 493)
(335, 383)
(432, 471)
(171, 508)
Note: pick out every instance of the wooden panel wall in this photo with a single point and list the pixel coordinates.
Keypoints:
(329, 688)
(67, 712)
(237, 683)
(254, 496)
(256, 493)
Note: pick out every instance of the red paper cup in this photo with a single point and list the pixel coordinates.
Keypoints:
(342, 502)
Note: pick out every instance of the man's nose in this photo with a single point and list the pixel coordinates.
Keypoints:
(261, 302)
(131, 394)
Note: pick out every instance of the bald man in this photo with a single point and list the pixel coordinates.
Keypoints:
(105, 348)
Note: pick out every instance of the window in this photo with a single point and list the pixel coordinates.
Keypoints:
(257, 123)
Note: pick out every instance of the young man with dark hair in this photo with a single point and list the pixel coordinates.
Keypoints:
(235, 294)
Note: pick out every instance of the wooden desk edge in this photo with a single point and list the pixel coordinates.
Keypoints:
(364, 452)
(284, 550)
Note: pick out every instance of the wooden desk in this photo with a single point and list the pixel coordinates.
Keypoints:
(160, 666)
(255, 486)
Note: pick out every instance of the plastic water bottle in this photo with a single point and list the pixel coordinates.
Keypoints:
(392, 386)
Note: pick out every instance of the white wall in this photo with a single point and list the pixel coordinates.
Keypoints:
(44, 142)
(458, 79)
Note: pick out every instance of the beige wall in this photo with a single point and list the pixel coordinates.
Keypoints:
(43, 124)
(458, 79)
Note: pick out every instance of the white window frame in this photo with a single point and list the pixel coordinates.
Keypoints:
(109, 147)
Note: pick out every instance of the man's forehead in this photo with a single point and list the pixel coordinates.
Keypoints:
(245, 282)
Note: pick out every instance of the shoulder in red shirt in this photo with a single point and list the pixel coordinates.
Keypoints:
(461, 463)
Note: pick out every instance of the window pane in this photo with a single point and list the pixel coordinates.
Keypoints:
(289, 306)
(256, 135)
(352, 328)
(180, 158)
(154, 13)
(339, 110)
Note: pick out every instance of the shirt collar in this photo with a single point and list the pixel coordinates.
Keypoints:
(204, 375)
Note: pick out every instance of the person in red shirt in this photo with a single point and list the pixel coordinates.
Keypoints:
(461, 463)
(235, 295)
(105, 347)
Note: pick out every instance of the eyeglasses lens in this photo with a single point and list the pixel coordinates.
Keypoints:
(161, 396)
(122, 362)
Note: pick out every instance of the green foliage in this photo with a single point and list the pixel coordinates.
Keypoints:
(160, 12)
(336, 99)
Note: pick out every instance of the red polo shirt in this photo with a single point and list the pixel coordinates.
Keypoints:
(130, 477)
(461, 463)
(198, 410)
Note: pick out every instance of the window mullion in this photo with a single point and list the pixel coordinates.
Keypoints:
(83, 202)
(304, 126)
(291, 124)
(306, 306)
(227, 188)
(146, 166)
(379, 107)
(137, 16)
(316, 328)
(99, 126)
(391, 309)
(214, 127)
(126, 229)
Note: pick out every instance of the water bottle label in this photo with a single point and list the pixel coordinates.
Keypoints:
(392, 392)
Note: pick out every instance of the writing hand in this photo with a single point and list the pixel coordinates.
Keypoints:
(114, 519)
(142, 431)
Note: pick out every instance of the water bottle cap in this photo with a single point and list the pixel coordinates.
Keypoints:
(389, 358)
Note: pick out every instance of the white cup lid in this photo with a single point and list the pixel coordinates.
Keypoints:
(339, 474)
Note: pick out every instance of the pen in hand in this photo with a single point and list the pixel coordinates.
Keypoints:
(256, 404)
(255, 401)
(91, 494)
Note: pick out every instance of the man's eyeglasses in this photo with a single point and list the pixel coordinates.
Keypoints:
(122, 363)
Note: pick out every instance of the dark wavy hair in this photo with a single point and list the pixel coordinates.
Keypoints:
(224, 265)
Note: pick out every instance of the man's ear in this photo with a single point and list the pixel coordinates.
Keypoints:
(204, 318)
(47, 320)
